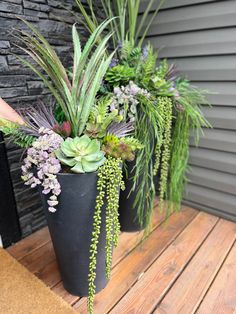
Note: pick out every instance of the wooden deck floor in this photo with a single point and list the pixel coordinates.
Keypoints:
(187, 265)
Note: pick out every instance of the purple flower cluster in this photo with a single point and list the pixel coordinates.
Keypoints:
(145, 53)
(173, 90)
(125, 100)
(41, 166)
(113, 63)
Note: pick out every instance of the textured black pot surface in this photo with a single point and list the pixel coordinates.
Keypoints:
(128, 212)
(71, 229)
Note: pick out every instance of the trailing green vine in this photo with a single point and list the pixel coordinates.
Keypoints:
(109, 182)
(16, 135)
(189, 117)
(179, 160)
(150, 123)
(164, 150)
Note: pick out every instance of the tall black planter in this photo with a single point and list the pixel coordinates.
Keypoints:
(128, 212)
(71, 229)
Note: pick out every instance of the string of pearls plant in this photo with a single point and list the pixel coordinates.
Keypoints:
(109, 182)
(163, 148)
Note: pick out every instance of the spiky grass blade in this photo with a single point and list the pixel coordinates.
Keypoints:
(140, 42)
(88, 70)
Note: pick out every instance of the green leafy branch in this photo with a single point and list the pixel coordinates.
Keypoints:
(100, 118)
(149, 126)
(108, 185)
(16, 135)
(163, 148)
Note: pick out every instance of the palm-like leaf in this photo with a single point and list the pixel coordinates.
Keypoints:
(75, 96)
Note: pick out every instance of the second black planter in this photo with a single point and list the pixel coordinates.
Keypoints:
(71, 230)
(129, 221)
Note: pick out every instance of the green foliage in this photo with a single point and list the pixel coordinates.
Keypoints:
(108, 185)
(163, 147)
(162, 69)
(173, 102)
(123, 148)
(160, 87)
(179, 160)
(134, 143)
(59, 114)
(147, 130)
(75, 96)
(189, 118)
(154, 79)
(126, 27)
(148, 66)
(120, 75)
(129, 54)
(100, 118)
(81, 154)
(16, 134)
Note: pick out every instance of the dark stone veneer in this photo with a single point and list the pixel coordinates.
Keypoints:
(20, 87)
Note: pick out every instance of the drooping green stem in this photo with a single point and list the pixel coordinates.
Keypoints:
(190, 118)
(94, 241)
(179, 160)
(149, 126)
(108, 185)
(164, 150)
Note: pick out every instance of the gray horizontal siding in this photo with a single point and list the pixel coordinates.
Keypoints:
(215, 68)
(201, 43)
(221, 117)
(213, 159)
(200, 36)
(213, 198)
(174, 3)
(220, 93)
(216, 139)
(218, 160)
(204, 15)
(213, 179)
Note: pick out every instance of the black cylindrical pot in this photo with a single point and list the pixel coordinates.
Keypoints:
(71, 230)
(129, 221)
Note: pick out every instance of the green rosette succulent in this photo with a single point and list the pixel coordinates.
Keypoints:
(120, 74)
(82, 154)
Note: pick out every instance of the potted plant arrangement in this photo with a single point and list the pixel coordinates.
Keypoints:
(74, 155)
(162, 106)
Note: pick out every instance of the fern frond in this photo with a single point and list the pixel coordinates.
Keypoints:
(132, 142)
(17, 136)
(103, 106)
(126, 49)
(149, 65)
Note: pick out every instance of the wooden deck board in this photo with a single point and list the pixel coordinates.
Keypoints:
(150, 289)
(186, 265)
(131, 268)
(30, 244)
(221, 297)
(198, 276)
(127, 242)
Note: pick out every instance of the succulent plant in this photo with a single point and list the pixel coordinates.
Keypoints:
(101, 118)
(63, 129)
(120, 74)
(82, 154)
(123, 148)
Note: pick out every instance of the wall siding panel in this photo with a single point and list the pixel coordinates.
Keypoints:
(200, 37)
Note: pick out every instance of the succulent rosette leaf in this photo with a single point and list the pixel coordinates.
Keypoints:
(82, 154)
